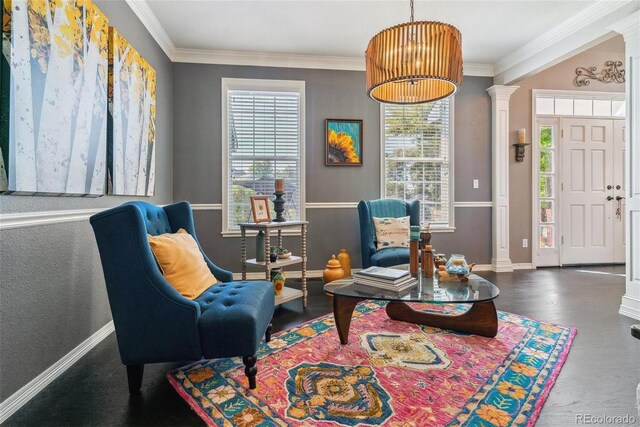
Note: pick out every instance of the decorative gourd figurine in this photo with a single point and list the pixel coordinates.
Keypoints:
(333, 271)
(345, 262)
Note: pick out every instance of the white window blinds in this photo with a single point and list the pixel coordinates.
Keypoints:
(417, 158)
(263, 143)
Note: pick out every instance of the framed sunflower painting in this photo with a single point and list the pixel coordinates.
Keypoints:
(343, 142)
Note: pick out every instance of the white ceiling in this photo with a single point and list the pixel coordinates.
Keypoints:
(490, 29)
(498, 37)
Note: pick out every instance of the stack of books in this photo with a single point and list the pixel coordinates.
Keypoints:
(381, 278)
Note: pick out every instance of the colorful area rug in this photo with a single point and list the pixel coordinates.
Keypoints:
(391, 373)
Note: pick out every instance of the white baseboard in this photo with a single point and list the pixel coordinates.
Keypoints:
(515, 266)
(630, 307)
(523, 266)
(14, 402)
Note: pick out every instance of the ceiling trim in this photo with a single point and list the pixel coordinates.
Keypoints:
(478, 69)
(151, 22)
(262, 59)
(285, 60)
(579, 33)
(551, 47)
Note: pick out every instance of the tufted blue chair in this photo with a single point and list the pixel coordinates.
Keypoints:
(384, 208)
(153, 322)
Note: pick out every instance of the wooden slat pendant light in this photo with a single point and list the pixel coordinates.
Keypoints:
(414, 62)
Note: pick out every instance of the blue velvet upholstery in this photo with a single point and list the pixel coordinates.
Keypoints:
(384, 208)
(153, 322)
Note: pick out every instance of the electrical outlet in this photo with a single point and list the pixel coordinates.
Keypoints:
(525, 243)
(476, 183)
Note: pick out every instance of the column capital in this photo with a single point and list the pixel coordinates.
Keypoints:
(501, 92)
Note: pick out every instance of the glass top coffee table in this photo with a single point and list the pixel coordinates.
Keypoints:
(480, 319)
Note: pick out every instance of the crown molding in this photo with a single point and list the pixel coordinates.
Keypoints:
(263, 59)
(577, 34)
(569, 27)
(628, 26)
(260, 59)
(478, 69)
(287, 60)
(552, 47)
(151, 23)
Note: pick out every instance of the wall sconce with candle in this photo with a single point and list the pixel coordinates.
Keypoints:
(522, 138)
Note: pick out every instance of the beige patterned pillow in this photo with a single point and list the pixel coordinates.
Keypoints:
(392, 232)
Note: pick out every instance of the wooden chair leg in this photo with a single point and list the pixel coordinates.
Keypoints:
(250, 369)
(267, 335)
(134, 377)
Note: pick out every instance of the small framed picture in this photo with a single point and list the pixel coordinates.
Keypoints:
(260, 209)
(343, 142)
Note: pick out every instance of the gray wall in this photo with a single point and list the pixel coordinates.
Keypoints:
(52, 292)
(559, 77)
(329, 94)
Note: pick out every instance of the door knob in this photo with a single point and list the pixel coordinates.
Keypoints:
(609, 198)
(618, 198)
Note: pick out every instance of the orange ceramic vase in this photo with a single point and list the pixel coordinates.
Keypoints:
(345, 262)
(333, 271)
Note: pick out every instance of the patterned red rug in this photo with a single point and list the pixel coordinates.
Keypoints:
(391, 373)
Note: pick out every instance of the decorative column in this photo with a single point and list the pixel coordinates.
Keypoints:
(500, 260)
(630, 30)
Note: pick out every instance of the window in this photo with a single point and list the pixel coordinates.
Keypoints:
(418, 160)
(262, 139)
(546, 139)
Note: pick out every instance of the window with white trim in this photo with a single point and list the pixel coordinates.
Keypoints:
(418, 158)
(262, 139)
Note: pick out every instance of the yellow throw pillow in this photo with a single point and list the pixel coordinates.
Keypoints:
(182, 263)
(392, 232)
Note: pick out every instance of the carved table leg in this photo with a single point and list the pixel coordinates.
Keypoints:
(481, 319)
(342, 311)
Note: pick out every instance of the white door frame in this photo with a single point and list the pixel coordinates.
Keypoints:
(535, 152)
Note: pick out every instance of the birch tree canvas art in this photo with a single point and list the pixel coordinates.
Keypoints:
(56, 55)
(132, 120)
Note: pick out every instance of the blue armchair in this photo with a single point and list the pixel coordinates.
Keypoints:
(384, 208)
(153, 322)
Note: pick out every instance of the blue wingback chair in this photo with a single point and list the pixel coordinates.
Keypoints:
(384, 208)
(155, 323)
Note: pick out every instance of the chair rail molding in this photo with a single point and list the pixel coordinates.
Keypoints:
(473, 204)
(331, 205)
(30, 219)
(629, 27)
(500, 260)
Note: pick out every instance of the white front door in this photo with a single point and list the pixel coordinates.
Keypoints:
(588, 191)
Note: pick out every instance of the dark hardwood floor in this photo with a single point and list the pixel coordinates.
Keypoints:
(599, 378)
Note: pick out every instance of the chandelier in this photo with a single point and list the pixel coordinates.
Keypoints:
(414, 62)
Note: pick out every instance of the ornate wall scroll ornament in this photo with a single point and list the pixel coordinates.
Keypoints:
(609, 74)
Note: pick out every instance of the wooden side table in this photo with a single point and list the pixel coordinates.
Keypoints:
(288, 294)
